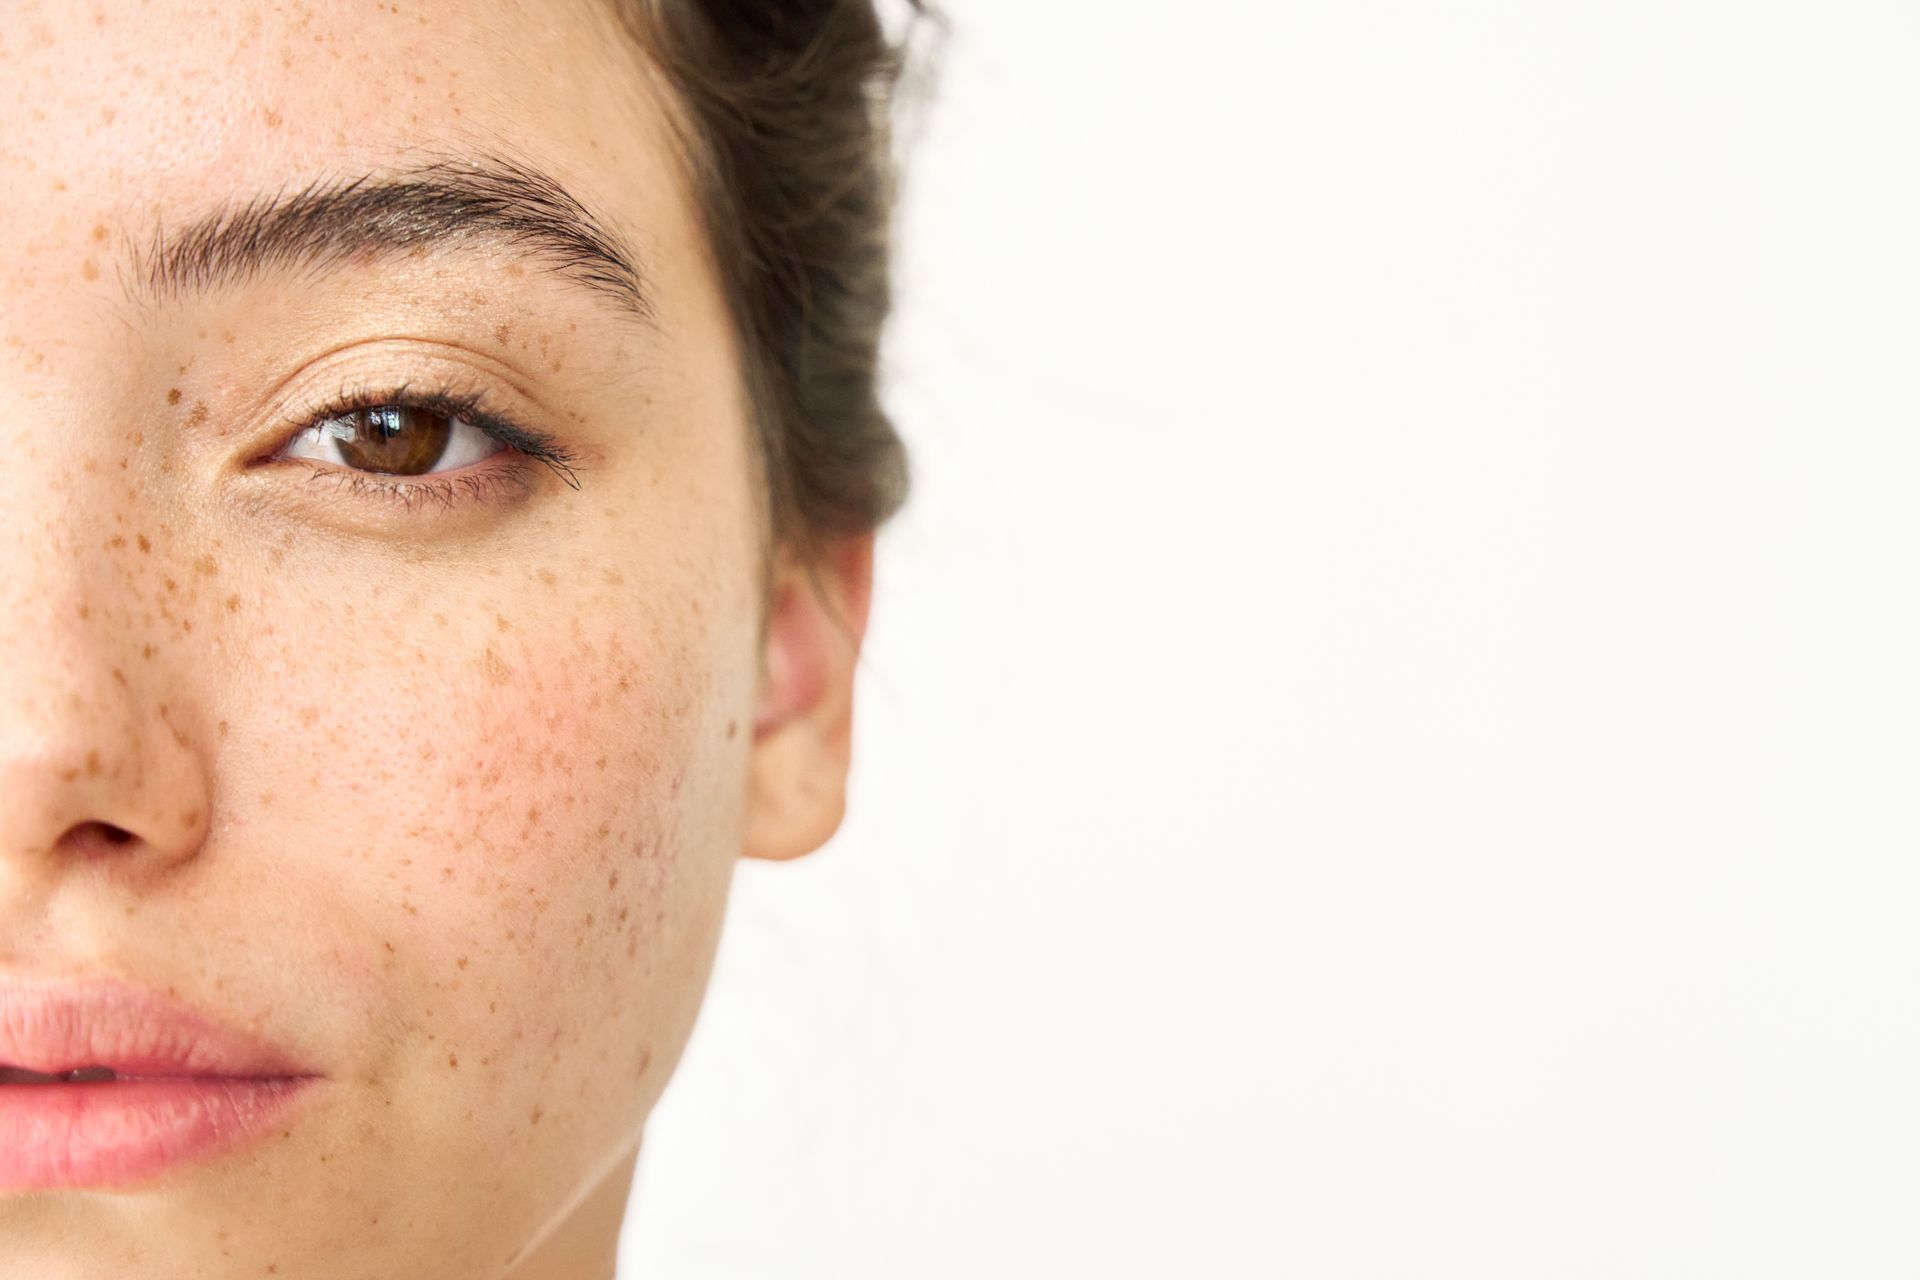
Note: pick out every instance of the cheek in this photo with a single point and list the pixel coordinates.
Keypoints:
(508, 847)
(495, 813)
(547, 777)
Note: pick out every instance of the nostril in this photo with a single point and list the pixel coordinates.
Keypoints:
(95, 836)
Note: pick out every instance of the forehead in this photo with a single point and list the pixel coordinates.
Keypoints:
(138, 116)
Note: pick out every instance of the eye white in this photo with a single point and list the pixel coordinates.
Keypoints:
(466, 445)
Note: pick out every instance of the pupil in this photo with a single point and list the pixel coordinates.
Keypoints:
(396, 440)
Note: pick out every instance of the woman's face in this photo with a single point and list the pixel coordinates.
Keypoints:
(379, 741)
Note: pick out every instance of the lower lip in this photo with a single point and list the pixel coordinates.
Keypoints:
(117, 1132)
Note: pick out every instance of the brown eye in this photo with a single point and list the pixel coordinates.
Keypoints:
(395, 440)
(398, 440)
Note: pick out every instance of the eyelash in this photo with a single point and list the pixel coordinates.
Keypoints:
(412, 492)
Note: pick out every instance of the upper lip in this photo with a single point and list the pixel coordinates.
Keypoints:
(55, 1027)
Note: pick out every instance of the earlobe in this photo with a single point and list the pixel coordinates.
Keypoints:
(803, 720)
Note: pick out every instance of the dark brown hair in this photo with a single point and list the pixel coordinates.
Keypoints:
(788, 106)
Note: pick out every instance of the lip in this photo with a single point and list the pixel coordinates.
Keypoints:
(187, 1087)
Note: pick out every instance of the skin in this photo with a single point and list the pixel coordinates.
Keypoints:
(443, 800)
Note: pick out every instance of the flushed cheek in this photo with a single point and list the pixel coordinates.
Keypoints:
(550, 777)
(462, 804)
(510, 839)
(552, 897)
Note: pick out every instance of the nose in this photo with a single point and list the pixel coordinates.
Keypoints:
(95, 762)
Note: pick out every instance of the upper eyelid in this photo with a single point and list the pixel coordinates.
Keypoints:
(360, 399)
(431, 360)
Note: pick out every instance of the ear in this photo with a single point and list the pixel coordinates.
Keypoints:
(803, 722)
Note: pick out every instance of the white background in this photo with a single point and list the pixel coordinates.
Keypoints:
(1389, 741)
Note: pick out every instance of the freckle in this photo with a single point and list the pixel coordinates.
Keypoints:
(206, 566)
(85, 610)
(453, 1060)
(613, 579)
(144, 544)
(387, 945)
(461, 963)
(497, 671)
(171, 585)
(68, 775)
(233, 604)
(534, 1116)
(120, 677)
(601, 763)
(93, 764)
(99, 233)
(440, 619)
(623, 915)
(223, 728)
(500, 334)
(502, 622)
(173, 395)
(733, 730)
(548, 576)
(613, 879)
(199, 413)
(107, 114)
(90, 270)
(273, 119)
(190, 817)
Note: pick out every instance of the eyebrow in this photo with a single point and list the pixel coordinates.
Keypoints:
(445, 204)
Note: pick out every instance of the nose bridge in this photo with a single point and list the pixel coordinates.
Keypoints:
(88, 737)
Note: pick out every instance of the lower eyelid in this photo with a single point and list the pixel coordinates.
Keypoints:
(476, 484)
